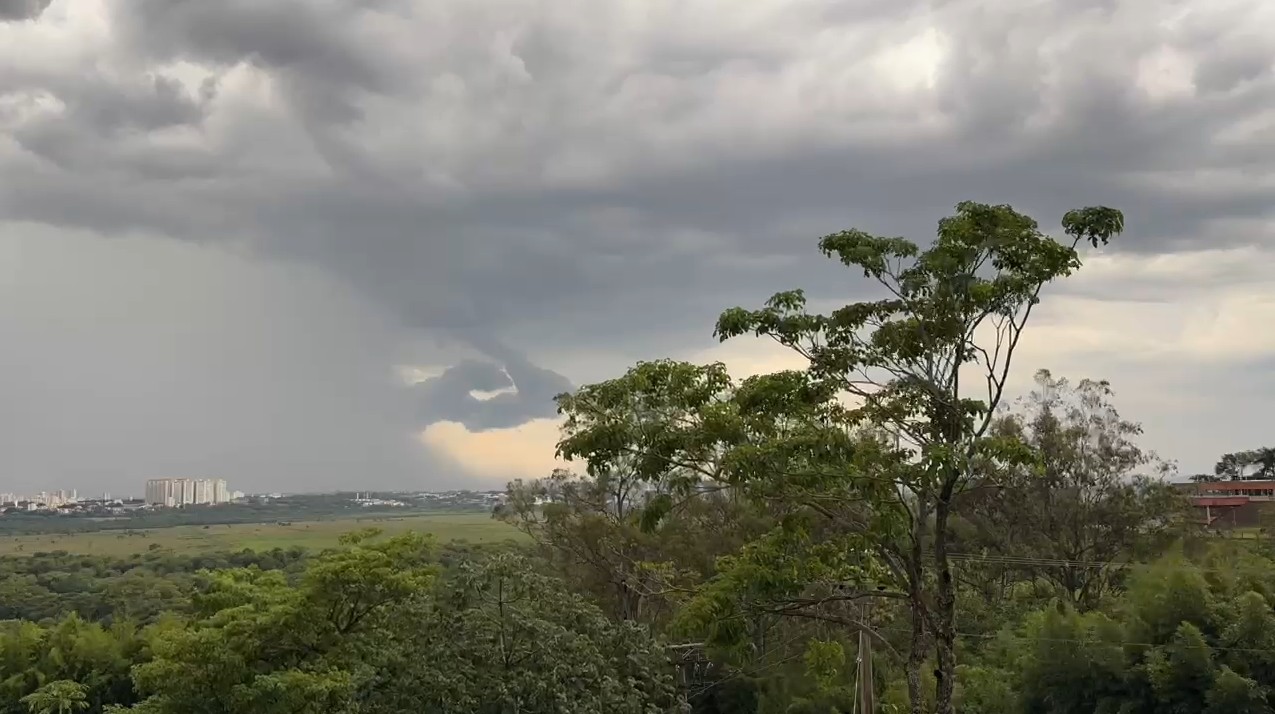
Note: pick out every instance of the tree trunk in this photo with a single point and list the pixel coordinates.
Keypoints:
(919, 646)
(916, 658)
(949, 431)
(945, 606)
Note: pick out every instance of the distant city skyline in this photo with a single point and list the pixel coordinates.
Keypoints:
(48, 498)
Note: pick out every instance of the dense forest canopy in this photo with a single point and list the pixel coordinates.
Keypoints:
(731, 546)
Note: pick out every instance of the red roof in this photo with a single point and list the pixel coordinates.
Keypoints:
(1237, 486)
(1219, 501)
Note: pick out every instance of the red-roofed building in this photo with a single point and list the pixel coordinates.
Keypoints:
(1223, 505)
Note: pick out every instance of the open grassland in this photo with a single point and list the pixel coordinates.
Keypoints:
(315, 535)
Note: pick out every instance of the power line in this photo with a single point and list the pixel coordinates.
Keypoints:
(1098, 564)
(1119, 643)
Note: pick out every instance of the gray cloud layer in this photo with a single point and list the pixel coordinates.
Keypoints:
(510, 175)
(22, 9)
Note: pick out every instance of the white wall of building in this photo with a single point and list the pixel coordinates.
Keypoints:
(186, 491)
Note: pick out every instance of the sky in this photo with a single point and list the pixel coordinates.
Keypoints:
(310, 244)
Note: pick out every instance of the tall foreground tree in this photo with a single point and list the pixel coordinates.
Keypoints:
(925, 364)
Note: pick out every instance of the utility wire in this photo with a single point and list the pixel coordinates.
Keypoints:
(1098, 564)
(1121, 643)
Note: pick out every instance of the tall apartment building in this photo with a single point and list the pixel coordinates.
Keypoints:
(159, 491)
(186, 491)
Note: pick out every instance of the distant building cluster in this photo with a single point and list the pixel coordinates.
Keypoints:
(367, 501)
(172, 492)
(67, 503)
(41, 500)
(473, 499)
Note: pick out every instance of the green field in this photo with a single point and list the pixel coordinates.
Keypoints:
(471, 527)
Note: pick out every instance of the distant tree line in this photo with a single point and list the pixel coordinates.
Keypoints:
(1251, 465)
(293, 508)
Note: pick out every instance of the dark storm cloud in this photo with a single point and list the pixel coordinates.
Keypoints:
(100, 111)
(591, 174)
(522, 392)
(309, 37)
(326, 60)
(22, 9)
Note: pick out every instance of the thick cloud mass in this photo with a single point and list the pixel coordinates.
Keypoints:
(21, 9)
(451, 396)
(484, 395)
(538, 188)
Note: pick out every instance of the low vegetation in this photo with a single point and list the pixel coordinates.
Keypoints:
(315, 535)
